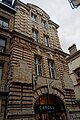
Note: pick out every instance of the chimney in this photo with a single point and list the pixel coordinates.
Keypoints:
(72, 49)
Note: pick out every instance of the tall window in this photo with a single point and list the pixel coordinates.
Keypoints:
(38, 66)
(35, 34)
(4, 23)
(0, 72)
(43, 22)
(33, 17)
(51, 69)
(46, 40)
(2, 45)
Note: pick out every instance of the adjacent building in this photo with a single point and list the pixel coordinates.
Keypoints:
(6, 26)
(74, 70)
(34, 74)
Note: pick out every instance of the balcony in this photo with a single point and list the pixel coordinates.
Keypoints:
(39, 81)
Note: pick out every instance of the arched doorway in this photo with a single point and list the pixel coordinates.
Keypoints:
(49, 107)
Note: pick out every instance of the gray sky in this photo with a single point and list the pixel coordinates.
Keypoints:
(67, 18)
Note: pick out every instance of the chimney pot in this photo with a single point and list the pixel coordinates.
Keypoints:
(72, 49)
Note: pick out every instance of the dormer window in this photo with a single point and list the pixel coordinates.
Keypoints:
(4, 23)
(35, 34)
(46, 40)
(43, 22)
(33, 17)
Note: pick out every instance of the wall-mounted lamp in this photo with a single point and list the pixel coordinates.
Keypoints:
(74, 3)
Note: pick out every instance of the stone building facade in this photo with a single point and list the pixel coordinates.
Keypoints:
(74, 70)
(36, 75)
(6, 26)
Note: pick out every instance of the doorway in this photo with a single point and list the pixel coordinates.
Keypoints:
(49, 107)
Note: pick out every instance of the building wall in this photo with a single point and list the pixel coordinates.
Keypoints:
(74, 63)
(25, 87)
(4, 58)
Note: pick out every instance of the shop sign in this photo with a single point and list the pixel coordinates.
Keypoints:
(44, 108)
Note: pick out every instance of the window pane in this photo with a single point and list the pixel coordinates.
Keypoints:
(51, 69)
(39, 70)
(39, 60)
(43, 22)
(2, 42)
(38, 66)
(46, 40)
(0, 23)
(35, 35)
(1, 49)
(5, 25)
(2, 45)
(33, 17)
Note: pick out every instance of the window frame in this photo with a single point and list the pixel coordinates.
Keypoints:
(38, 66)
(51, 67)
(3, 22)
(35, 34)
(2, 47)
(33, 17)
(46, 40)
(43, 22)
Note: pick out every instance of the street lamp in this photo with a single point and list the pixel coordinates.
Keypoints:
(74, 3)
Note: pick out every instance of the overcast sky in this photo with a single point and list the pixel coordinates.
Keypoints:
(67, 18)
